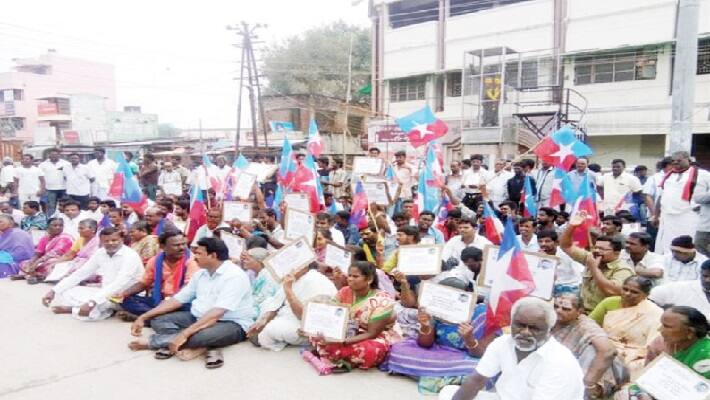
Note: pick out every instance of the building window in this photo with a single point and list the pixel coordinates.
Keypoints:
(410, 12)
(453, 84)
(460, 7)
(528, 74)
(407, 89)
(13, 123)
(629, 66)
(704, 56)
(12, 94)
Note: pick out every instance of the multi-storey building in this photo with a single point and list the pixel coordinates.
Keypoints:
(504, 73)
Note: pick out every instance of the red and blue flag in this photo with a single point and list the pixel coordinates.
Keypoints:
(125, 187)
(492, 224)
(512, 280)
(306, 180)
(315, 146)
(287, 167)
(585, 202)
(562, 189)
(429, 183)
(198, 213)
(358, 211)
(562, 149)
(529, 205)
(422, 126)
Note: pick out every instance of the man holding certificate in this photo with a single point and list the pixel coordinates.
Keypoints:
(282, 313)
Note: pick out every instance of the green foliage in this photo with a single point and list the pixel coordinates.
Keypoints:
(316, 62)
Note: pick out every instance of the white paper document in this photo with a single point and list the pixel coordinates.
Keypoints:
(243, 185)
(446, 303)
(419, 259)
(337, 258)
(297, 201)
(234, 243)
(299, 223)
(237, 210)
(330, 320)
(290, 257)
(376, 192)
(367, 165)
(668, 379)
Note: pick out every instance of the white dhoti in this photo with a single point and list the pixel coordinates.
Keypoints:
(448, 392)
(280, 332)
(674, 225)
(79, 295)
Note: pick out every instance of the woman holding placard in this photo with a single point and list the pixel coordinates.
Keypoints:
(441, 353)
(371, 318)
(684, 333)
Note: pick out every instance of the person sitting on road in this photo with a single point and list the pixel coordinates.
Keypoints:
(117, 265)
(222, 310)
(165, 274)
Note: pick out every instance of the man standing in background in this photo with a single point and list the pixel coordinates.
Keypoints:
(497, 187)
(29, 181)
(53, 171)
(103, 170)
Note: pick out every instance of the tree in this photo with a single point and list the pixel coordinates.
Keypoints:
(316, 62)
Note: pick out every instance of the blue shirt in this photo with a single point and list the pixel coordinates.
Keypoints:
(350, 233)
(227, 288)
(436, 234)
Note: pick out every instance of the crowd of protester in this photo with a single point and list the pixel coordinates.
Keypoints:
(641, 287)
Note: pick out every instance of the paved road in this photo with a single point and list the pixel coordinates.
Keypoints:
(46, 356)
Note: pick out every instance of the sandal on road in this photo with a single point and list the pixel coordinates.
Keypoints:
(163, 354)
(17, 277)
(214, 359)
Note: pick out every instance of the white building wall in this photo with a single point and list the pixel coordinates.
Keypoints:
(410, 50)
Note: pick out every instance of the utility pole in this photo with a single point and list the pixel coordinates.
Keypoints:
(199, 128)
(346, 128)
(249, 62)
(686, 59)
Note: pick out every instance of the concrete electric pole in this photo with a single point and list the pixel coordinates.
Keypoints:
(685, 65)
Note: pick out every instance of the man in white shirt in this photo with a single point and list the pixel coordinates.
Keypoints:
(170, 181)
(337, 179)
(119, 267)
(103, 170)
(527, 237)
(221, 310)
(467, 237)
(78, 179)
(198, 176)
(53, 171)
(455, 179)
(29, 180)
(497, 186)
(694, 294)
(405, 175)
(544, 181)
(677, 211)
(72, 216)
(531, 363)
(325, 221)
(576, 176)
(617, 184)
(683, 262)
(568, 276)
(638, 255)
(7, 174)
(473, 180)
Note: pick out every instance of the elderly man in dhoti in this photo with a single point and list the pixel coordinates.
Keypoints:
(675, 211)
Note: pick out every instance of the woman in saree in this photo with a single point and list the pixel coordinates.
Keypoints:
(15, 246)
(604, 372)
(370, 332)
(684, 336)
(630, 320)
(49, 251)
(441, 353)
(145, 244)
(83, 248)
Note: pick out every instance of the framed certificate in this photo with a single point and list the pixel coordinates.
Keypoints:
(419, 259)
(297, 201)
(542, 267)
(237, 210)
(37, 235)
(243, 185)
(446, 303)
(290, 257)
(330, 320)
(376, 193)
(367, 165)
(299, 223)
(235, 244)
(667, 379)
(338, 257)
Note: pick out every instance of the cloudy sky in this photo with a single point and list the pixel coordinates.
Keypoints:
(173, 58)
